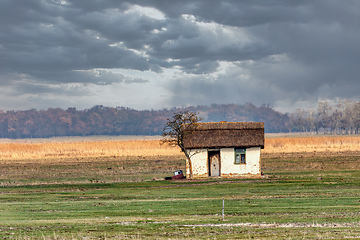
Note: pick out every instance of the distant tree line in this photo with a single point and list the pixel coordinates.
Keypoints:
(100, 120)
(342, 117)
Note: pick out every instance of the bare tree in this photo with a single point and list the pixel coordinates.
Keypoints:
(325, 111)
(177, 127)
(349, 116)
(356, 112)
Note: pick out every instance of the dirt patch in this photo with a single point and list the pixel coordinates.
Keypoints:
(278, 225)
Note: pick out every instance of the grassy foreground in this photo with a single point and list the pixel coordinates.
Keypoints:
(304, 195)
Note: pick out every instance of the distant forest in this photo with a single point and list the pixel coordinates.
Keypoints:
(342, 117)
(100, 120)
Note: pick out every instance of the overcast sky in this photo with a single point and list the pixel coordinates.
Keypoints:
(153, 54)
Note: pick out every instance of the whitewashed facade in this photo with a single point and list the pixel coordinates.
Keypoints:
(219, 159)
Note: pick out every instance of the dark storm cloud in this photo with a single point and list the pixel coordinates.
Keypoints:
(50, 48)
(234, 13)
(224, 51)
(318, 45)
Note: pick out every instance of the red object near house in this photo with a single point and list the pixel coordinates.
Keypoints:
(178, 175)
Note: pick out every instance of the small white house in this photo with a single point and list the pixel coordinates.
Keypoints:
(229, 150)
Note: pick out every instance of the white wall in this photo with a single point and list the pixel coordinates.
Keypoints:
(253, 160)
(227, 158)
(199, 158)
(229, 168)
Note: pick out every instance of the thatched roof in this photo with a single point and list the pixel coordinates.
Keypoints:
(224, 134)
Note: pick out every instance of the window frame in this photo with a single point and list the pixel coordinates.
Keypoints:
(240, 156)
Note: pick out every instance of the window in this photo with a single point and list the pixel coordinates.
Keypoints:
(240, 156)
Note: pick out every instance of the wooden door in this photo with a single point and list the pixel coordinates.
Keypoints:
(214, 163)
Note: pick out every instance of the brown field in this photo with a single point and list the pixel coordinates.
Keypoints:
(80, 148)
(76, 160)
(80, 160)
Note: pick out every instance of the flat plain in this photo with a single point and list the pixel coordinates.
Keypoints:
(112, 188)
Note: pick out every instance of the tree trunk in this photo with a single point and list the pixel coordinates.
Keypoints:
(188, 159)
(190, 167)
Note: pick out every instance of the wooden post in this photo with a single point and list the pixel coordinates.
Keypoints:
(223, 209)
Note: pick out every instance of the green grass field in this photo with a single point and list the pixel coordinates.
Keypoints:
(303, 196)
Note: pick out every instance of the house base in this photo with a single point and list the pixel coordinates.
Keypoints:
(231, 176)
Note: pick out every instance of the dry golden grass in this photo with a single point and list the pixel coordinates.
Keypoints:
(64, 150)
(312, 144)
(77, 160)
(47, 151)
